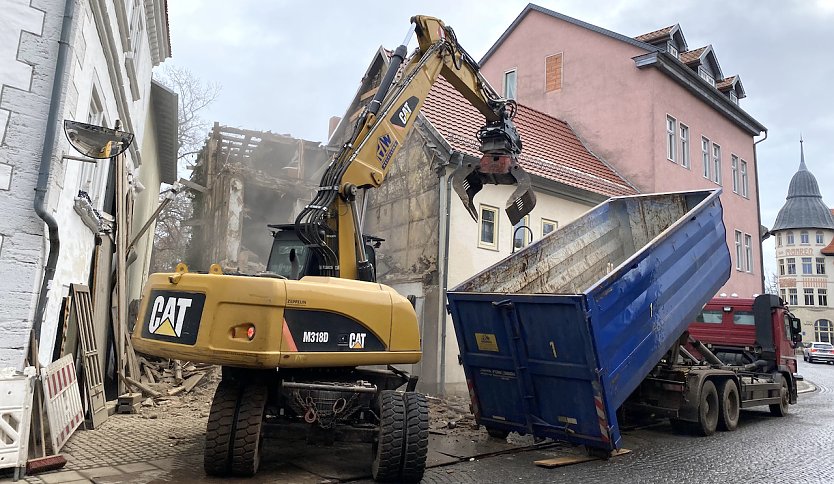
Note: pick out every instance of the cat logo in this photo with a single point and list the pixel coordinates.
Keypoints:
(356, 341)
(168, 314)
(403, 114)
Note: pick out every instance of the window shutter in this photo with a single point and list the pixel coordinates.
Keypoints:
(553, 72)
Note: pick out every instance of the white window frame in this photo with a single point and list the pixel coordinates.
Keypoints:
(482, 243)
(820, 263)
(804, 238)
(706, 76)
(809, 296)
(748, 252)
(526, 233)
(781, 267)
(548, 221)
(683, 132)
(744, 192)
(790, 262)
(820, 238)
(789, 239)
(822, 297)
(671, 139)
(792, 296)
(716, 163)
(705, 155)
(807, 263)
(739, 255)
(670, 47)
(734, 169)
(511, 93)
(733, 96)
(779, 240)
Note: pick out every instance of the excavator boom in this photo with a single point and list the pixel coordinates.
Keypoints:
(330, 226)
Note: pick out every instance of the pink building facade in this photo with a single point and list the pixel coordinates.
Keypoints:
(664, 116)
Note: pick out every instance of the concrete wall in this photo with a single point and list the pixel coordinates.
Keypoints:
(620, 111)
(404, 211)
(96, 60)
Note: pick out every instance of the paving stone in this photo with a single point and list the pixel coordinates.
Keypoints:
(100, 472)
(61, 477)
(136, 467)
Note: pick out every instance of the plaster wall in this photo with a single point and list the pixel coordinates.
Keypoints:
(620, 112)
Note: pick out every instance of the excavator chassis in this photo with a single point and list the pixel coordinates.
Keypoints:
(321, 406)
(291, 370)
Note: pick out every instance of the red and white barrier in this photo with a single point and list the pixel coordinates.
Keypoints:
(63, 400)
(16, 390)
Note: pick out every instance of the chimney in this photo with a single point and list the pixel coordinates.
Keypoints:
(334, 121)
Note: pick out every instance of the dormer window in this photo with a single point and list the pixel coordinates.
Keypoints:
(670, 47)
(733, 96)
(706, 76)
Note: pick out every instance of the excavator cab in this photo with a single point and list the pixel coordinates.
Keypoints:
(292, 259)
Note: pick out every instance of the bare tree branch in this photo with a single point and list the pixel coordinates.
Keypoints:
(173, 234)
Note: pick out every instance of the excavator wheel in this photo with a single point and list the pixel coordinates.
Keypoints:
(219, 429)
(248, 437)
(416, 436)
(388, 449)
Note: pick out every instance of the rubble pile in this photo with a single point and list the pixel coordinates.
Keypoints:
(169, 382)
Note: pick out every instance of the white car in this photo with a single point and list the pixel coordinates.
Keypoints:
(818, 352)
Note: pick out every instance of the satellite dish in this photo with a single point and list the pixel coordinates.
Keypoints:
(96, 141)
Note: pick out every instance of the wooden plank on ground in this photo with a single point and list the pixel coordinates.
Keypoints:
(192, 381)
(574, 459)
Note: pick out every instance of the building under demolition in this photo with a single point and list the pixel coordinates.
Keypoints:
(249, 179)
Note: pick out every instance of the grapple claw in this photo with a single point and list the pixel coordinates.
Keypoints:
(469, 178)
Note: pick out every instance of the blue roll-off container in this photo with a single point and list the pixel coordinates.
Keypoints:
(555, 337)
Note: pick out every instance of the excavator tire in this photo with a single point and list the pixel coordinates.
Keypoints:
(416, 444)
(388, 450)
(219, 429)
(247, 442)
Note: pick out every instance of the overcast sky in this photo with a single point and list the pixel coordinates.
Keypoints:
(289, 66)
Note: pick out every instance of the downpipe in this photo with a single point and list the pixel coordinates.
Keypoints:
(45, 168)
(759, 210)
(443, 281)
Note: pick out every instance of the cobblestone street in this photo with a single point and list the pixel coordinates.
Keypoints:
(166, 445)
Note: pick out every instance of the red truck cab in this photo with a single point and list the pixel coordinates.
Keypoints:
(743, 331)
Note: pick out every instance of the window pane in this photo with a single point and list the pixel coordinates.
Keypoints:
(734, 167)
(716, 164)
(705, 156)
(710, 316)
(822, 296)
(743, 178)
(748, 251)
(488, 226)
(744, 317)
(806, 265)
(809, 297)
(803, 237)
(791, 265)
(684, 134)
(510, 85)
(819, 238)
(670, 138)
(820, 265)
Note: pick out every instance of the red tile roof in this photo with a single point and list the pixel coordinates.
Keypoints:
(726, 83)
(550, 147)
(829, 249)
(656, 35)
(692, 55)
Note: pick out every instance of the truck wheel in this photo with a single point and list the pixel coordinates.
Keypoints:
(416, 436)
(388, 449)
(729, 406)
(498, 433)
(781, 409)
(248, 438)
(708, 409)
(219, 429)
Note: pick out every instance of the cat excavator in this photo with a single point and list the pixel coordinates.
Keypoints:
(310, 344)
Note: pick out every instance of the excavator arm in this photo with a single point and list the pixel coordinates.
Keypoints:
(330, 225)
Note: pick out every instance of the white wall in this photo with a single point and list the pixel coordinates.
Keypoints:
(29, 34)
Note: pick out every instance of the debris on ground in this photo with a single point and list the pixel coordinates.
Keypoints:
(173, 385)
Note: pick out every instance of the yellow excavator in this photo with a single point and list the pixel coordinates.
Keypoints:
(311, 343)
